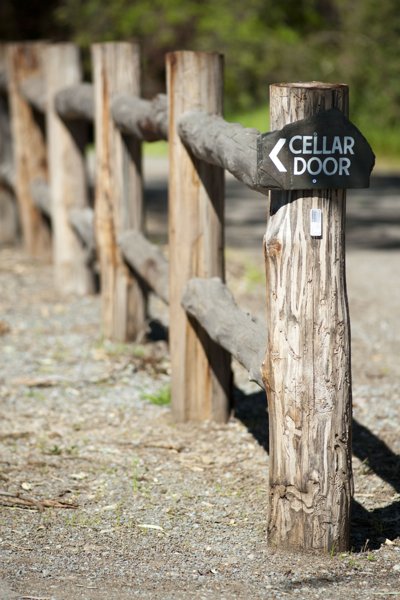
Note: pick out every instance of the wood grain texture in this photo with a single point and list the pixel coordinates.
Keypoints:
(201, 375)
(307, 371)
(76, 101)
(227, 145)
(26, 60)
(146, 120)
(67, 174)
(211, 303)
(118, 203)
(147, 261)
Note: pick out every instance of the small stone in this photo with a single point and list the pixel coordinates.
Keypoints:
(396, 567)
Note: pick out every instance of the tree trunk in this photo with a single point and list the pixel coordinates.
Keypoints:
(307, 366)
(118, 205)
(201, 375)
(30, 155)
(68, 186)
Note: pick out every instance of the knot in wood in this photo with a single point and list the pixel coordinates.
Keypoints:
(273, 247)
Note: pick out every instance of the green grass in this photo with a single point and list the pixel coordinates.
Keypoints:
(159, 148)
(253, 275)
(258, 118)
(161, 397)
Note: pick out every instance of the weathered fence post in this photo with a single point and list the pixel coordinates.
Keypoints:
(201, 375)
(68, 186)
(307, 366)
(26, 60)
(118, 204)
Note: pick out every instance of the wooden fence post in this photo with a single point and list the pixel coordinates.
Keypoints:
(201, 379)
(307, 366)
(118, 203)
(30, 156)
(68, 186)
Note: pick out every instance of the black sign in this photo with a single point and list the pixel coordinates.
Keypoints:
(324, 151)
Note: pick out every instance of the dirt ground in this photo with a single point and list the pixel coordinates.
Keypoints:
(156, 510)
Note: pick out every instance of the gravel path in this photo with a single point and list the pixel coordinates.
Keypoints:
(158, 510)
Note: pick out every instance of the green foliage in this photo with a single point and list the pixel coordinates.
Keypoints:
(257, 37)
(161, 397)
(263, 41)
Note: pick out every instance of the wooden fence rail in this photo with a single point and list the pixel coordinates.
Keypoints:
(75, 102)
(304, 368)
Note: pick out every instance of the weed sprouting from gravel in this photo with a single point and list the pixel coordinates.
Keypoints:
(161, 397)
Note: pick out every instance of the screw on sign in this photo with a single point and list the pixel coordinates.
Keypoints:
(325, 151)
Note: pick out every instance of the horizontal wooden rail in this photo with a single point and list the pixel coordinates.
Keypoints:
(76, 102)
(146, 120)
(40, 192)
(33, 89)
(147, 260)
(227, 145)
(211, 303)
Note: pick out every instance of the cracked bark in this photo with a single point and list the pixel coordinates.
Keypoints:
(307, 365)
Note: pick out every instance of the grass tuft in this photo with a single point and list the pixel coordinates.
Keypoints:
(161, 397)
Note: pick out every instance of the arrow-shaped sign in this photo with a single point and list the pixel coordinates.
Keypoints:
(324, 151)
(274, 155)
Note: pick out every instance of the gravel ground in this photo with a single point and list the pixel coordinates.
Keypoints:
(158, 510)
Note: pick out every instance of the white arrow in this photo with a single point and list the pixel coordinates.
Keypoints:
(274, 155)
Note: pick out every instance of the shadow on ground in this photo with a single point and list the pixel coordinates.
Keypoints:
(373, 214)
(368, 528)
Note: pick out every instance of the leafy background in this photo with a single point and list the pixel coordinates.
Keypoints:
(264, 41)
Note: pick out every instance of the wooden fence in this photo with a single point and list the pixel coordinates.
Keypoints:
(302, 361)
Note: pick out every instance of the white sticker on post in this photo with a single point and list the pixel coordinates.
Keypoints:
(316, 222)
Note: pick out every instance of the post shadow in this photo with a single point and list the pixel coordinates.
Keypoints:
(367, 527)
